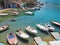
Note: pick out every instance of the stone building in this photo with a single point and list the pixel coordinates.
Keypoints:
(13, 3)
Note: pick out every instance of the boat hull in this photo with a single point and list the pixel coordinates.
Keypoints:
(51, 28)
(42, 27)
(28, 29)
(22, 36)
(3, 28)
(12, 41)
(56, 23)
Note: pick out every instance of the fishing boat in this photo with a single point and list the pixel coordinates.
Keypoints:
(12, 39)
(43, 28)
(12, 19)
(24, 9)
(22, 34)
(37, 8)
(56, 23)
(29, 13)
(15, 13)
(3, 14)
(3, 28)
(31, 29)
(39, 41)
(50, 27)
(31, 8)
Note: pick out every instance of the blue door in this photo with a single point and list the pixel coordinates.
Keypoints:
(12, 5)
(9, 6)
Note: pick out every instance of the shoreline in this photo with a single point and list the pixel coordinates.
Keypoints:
(9, 14)
(4, 10)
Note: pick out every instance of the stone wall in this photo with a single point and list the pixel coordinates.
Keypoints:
(8, 2)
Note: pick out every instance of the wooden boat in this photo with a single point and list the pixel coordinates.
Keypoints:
(12, 19)
(43, 28)
(15, 13)
(3, 14)
(3, 28)
(54, 42)
(24, 9)
(29, 13)
(50, 27)
(21, 34)
(39, 41)
(31, 29)
(56, 23)
(12, 39)
(37, 7)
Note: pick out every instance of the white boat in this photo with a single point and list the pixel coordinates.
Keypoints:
(31, 8)
(39, 41)
(3, 14)
(12, 19)
(31, 29)
(3, 28)
(29, 13)
(43, 28)
(24, 9)
(56, 23)
(50, 27)
(22, 34)
(12, 39)
(37, 8)
(15, 13)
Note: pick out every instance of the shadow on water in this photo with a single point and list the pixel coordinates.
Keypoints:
(21, 39)
(50, 31)
(8, 42)
(30, 15)
(4, 30)
(45, 32)
(30, 34)
(12, 20)
(56, 26)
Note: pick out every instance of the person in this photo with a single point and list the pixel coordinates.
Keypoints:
(17, 30)
(11, 33)
(3, 27)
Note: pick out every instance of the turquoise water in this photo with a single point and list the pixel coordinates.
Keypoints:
(50, 11)
(1, 44)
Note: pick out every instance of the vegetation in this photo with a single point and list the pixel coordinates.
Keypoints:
(30, 3)
(1, 0)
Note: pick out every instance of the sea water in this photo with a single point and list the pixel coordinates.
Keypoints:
(50, 11)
